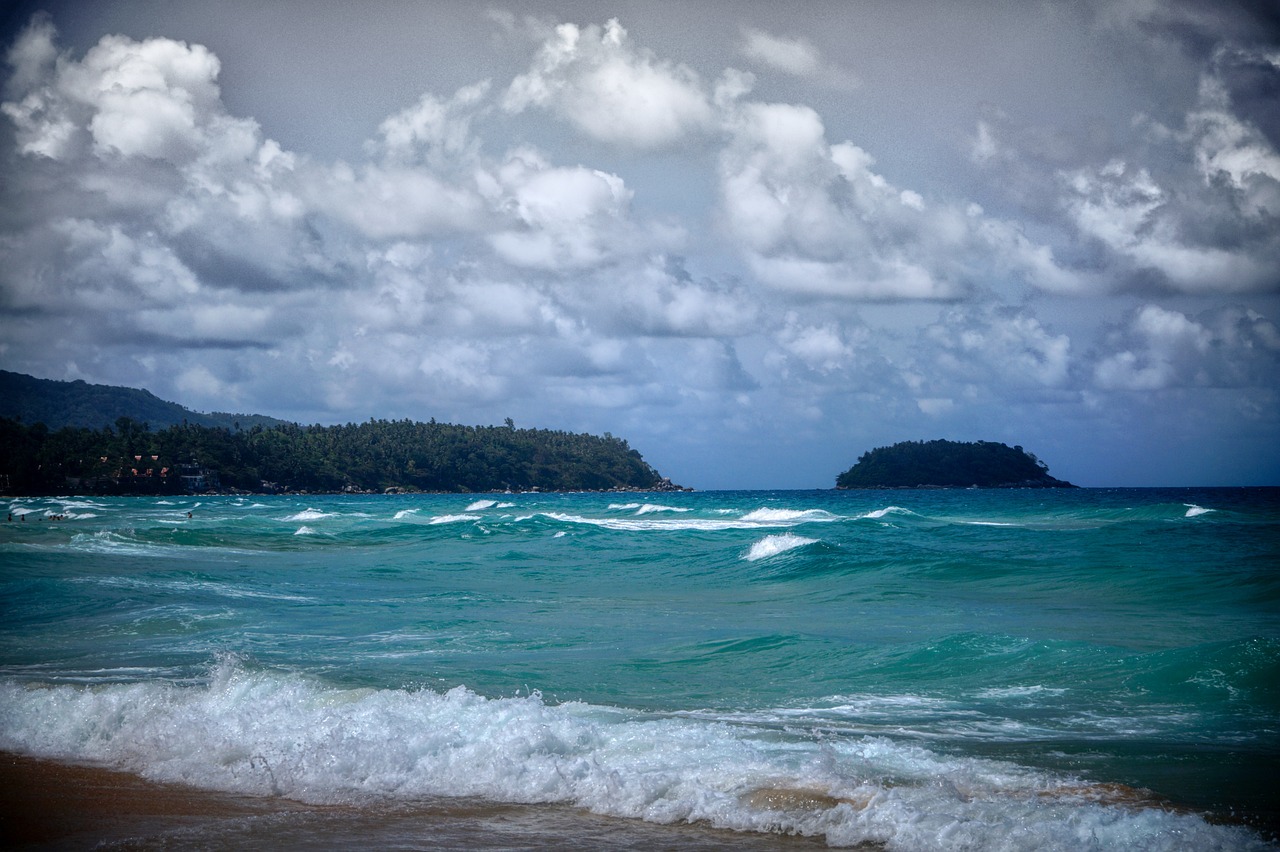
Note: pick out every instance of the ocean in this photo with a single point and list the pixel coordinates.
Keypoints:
(905, 670)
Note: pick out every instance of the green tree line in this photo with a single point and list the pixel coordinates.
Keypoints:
(372, 456)
(948, 464)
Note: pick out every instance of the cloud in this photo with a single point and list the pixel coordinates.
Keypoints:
(433, 131)
(997, 347)
(816, 219)
(1193, 208)
(125, 98)
(612, 91)
(792, 55)
(1158, 349)
(558, 219)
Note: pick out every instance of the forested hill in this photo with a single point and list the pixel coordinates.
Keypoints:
(375, 456)
(56, 438)
(949, 464)
(57, 404)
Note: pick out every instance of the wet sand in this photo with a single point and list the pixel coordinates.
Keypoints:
(49, 805)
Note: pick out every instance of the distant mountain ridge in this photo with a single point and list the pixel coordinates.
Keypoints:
(79, 404)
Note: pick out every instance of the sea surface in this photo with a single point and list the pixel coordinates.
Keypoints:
(907, 670)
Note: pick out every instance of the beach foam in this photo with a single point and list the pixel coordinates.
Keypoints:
(270, 733)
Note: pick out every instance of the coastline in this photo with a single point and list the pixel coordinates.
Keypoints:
(46, 804)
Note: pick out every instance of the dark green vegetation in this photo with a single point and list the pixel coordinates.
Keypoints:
(262, 454)
(57, 404)
(949, 464)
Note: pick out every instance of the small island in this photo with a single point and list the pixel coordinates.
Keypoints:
(949, 464)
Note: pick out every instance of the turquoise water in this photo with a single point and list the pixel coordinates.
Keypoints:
(917, 670)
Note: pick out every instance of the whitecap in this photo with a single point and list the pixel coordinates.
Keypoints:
(887, 510)
(787, 516)
(309, 515)
(305, 530)
(1194, 511)
(481, 504)
(404, 513)
(648, 508)
(453, 519)
(772, 545)
(637, 524)
(80, 504)
(623, 507)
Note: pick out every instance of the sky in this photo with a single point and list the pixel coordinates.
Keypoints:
(755, 239)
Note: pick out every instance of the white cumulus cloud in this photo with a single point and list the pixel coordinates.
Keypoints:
(611, 90)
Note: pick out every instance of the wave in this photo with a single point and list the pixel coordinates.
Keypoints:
(481, 504)
(453, 519)
(646, 508)
(1194, 511)
(268, 733)
(309, 515)
(650, 508)
(772, 545)
(877, 514)
(787, 516)
(757, 519)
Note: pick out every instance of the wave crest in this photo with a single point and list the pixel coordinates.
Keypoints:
(772, 545)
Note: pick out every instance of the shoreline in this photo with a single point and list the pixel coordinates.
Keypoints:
(47, 804)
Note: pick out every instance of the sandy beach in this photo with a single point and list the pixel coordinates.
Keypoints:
(50, 805)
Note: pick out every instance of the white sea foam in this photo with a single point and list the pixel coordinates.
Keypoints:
(1194, 511)
(623, 507)
(405, 513)
(189, 586)
(1020, 692)
(106, 541)
(772, 545)
(309, 515)
(80, 504)
(481, 504)
(305, 530)
(453, 519)
(274, 734)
